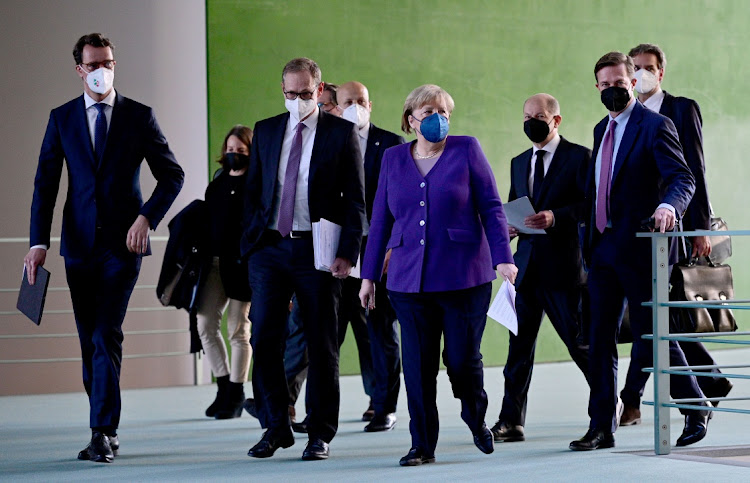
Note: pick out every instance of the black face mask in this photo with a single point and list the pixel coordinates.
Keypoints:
(236, 161)
(615, 99)
(536, 130)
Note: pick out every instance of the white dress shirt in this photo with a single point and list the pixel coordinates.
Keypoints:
(654, 102)
(622, 121)
(301, 220)
(549, 149)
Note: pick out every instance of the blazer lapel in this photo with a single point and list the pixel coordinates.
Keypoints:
(521, 173)
(371, 151)
(321, 134)
(271, 157)
(114, 132)
(628, 138)
(81, 130)
(667, 105)
(554, 167)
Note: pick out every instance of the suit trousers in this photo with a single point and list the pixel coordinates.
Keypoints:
(211, 305)
(613, 278)
(295, 353)
(425, 317)
(563, 308)
(278, 268)
(386, 353)
(351, 311)
(100, 289)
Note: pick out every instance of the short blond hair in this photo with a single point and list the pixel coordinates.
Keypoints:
(419, 97)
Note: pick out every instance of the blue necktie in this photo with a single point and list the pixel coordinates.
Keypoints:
(100, 131)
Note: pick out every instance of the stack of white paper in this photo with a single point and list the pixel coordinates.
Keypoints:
(503, 308)
(516, 212)
(326, 236)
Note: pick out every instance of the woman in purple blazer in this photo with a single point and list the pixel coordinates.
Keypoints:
(437, 209)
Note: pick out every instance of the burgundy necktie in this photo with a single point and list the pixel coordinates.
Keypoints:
(289, 191)
(605, 177)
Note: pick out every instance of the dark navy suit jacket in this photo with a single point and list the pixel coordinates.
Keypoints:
(686, 116)
(649, 169)
(378, 140)
(335, 182)
(106, 193)
(558, 253)
(447, 229)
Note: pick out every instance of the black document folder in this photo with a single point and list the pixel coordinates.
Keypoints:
(31, 297)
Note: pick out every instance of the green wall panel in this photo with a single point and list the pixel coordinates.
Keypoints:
(491, 56)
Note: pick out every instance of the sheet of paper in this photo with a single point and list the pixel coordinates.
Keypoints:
(326, 236)
(516, 211)
(503, 308)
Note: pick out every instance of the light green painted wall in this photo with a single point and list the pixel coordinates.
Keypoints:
(491, 55)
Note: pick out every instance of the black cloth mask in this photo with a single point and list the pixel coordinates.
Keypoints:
(536, 130)
(615, 98)
(236, 161)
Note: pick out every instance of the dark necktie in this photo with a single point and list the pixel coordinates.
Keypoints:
(100, 131)
(605, 177)
(289, 191)
(538, 175)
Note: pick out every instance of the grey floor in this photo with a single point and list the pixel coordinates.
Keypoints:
(164, 437)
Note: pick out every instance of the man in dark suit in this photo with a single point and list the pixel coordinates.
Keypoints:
(103, 137)
(550, 273)
(639, 172)
(304, 165)
(650, 62)
(375, 332)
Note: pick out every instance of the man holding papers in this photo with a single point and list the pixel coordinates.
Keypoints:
(550, 274)
(304, 165)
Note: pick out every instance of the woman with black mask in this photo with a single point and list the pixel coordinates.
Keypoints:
(225, 286)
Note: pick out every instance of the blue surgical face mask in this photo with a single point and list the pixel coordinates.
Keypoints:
(434, 128)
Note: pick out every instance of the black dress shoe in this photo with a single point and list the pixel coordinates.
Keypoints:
(594, 439)
(381, 422)
(416, 457)
(270, 442)
(300, 427)
(504, 432)
(316, 449)
(98, 449)
(484, 440)
(695, 430)
(114, 443)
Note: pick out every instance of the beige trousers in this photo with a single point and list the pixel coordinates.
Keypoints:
(211, 305)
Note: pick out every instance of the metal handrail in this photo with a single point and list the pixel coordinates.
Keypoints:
(660, 303)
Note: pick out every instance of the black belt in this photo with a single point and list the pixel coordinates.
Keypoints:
(272, 236)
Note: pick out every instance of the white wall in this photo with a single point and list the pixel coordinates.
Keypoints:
(161, 62)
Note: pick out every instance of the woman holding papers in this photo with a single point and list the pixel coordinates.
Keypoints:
(226, 285)
(437, 208)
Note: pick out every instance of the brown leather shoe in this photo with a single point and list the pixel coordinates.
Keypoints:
(630, 416)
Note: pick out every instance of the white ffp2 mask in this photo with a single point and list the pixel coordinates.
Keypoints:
(356, 114)
(646, 81)
(101, 80)
(299, 108)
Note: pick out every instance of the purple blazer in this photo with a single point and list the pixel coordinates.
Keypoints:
(447, 229)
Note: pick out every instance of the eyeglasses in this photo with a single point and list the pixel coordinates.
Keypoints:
(326, 106)
(305, 96)
(92, 66)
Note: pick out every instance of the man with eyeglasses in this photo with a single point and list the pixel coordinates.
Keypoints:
(103, 137)
(304, 165)
(328, 100)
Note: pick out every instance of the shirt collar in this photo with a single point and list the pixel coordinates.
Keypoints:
(655, 100)
(109, 100)
(623, 117)
(364, 133)
(311, 122)
(550, 147)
